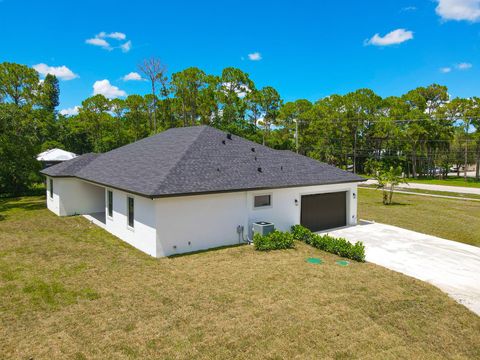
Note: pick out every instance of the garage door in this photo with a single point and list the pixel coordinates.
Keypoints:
(324, 211)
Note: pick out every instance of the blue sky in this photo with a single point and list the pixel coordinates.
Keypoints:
(306, 49)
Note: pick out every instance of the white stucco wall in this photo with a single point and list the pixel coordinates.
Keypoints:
(175, 225)
(143, 234)
(192, 223)
(73, 196)
(284, 212)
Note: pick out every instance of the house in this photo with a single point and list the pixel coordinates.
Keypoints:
(54, 156)
(194, 188)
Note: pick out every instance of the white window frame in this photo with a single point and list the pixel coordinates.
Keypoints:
(262, 207)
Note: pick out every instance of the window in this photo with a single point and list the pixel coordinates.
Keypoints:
(130, 211)
(51, 188)
(110, 203)
(262, 201)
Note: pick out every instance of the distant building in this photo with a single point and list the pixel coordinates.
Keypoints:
(54, 156)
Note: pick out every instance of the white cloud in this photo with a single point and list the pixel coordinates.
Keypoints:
(241, 91)
(99, 42)
(103, 87)
(126, 46)
(468, 10)
(133, 76)
(460, 66)
(409, 8)
(463, 66)
(114, 35)
(70, 111)
(394, 37)
(61, 72)
(256, 56)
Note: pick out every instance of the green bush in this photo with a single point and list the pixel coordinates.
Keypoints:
(274, 241)
(338, 246)
(303, 234)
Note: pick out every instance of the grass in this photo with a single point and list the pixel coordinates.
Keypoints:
(70, 290)
(451, 219)
(449, 181)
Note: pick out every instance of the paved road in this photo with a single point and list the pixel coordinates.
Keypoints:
(454, 189)
(429, 195)
(452, 266)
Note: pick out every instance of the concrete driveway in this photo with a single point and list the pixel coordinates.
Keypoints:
(453, 267)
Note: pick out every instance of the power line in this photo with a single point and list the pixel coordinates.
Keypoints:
(398, 140)
(389, 119)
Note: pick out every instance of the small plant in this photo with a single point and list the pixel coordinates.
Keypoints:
(387, 180)
(274, 241)
(338, 246)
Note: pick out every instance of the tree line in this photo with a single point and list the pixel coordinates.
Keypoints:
(421, 131)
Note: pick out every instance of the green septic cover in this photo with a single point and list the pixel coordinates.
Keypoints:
(342, 262)
(314, 260)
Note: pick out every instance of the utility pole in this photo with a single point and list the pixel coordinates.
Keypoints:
(296, 134)
(355, 152)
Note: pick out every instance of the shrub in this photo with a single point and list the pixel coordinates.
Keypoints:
(338, 246)
(303, 234)
(274, 241)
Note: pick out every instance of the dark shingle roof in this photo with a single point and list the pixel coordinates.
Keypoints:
(70, 167)
(198, 159)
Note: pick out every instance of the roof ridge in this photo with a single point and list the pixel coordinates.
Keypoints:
(182, 156)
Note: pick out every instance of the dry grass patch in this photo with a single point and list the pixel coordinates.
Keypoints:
(70, 290)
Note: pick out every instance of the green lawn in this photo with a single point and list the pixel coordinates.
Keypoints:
(70, 290)
(457, 220)
(450, 181)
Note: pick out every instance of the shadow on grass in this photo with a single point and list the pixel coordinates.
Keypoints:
(394, 203)
(205, 251)
(20, 204)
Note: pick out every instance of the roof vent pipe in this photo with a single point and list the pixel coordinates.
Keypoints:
(253, 149)
(259, 169)
(229, 136)
(223, 142)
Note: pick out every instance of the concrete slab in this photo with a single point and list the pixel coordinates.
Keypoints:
(97, 218)
(451, 266)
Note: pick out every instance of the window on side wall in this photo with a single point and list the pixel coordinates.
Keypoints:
(110, 203)
(130, 211)
(51, 188)
(260, 201)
